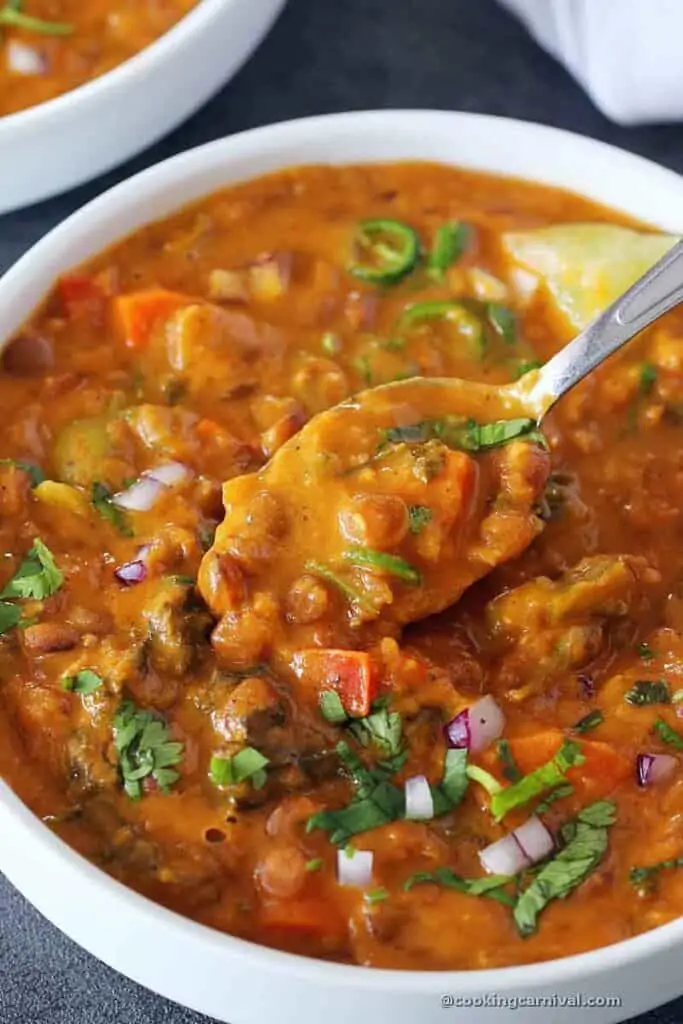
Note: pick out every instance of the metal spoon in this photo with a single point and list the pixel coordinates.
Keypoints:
(341, 453)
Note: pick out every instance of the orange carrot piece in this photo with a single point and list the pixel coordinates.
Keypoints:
(137, 313)
(305, 918)
(603, 769)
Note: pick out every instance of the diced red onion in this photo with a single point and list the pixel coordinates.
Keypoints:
(170, 473)
(131, 572)
(534, 839)
(653, 768)
(141, 496)
(355, 869)
(476, 728)
(419, 799)
(25, 60)
(527, 845)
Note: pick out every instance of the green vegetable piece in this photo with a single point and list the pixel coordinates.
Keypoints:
(387, 250)
(464, 435)
(454, 782)
(332, 708)
(378, 895)
(418, 517)
(648, 691)
(549, 775)
(314, 864)
(469, 326)
(589, 721)
(331, 343)
(668, 735)
(141, 739)
(383, 728)
(586, 843)
(37, 577)
(10, 616)
(101, 501)
(503, 321)
(555, 794)
(637, 876)
(489, 782)
(248, 763)
(330, 576)
(645, 652)
(450, 242)
(35, 472)
(12, 16)
(648, 378)
(392, 565)
(84, 682)
(510, 770)
(492, 886)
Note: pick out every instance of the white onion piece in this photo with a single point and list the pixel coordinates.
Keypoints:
(486, 724)
(534, 839)
(419, 799)
(520, 849)
(25, 60)
(355, 869)
(141, 497)
(524, 283)
(170, 473)
(504, 857)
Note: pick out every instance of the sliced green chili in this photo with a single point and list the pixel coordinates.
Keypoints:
(468, 324)
(450, 242)
(387, 251)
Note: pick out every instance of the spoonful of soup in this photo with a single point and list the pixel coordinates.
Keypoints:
(386, 508)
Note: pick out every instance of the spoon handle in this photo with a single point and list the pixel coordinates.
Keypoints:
(653, 295)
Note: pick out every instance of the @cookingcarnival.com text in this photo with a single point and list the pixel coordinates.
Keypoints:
(496, 1000)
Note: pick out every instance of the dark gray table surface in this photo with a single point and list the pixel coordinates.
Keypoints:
(322, 56)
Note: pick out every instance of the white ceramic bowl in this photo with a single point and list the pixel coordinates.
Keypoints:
(228, 978)
(76, 136)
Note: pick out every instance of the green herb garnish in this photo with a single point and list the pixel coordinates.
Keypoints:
(332, 708)
(464, 435)
(418, 517)
(37, 577)
(503, 320)
(249, 763)
(378, 895)
(489, 782)
(330, 576)
(668, 735)
(383, 728)
(645, 651)
(393, 565)
(314, 864)
(84, 682)
(509, 767)
(10, 616)
(586, 839)
(637, 876)
(549, 775)
(35, 472)
(526, 366)
(12, 15)
(142, 741)
(492, 886)
(331, 343)
(101, 499)
(450, 242)
(647, 379)
(648, 691)
(589, 721)
(555, 794)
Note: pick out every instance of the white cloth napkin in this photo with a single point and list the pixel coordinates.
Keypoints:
(627, 54)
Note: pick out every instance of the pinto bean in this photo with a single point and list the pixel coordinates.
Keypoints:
(47, 637)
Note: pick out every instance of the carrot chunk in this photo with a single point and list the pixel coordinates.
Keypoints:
(137, 313)
(603, 769)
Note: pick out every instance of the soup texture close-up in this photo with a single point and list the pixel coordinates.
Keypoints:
(48, 47)
(220, 676)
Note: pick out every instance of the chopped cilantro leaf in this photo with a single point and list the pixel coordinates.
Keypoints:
(142, 741)
(84, 682)
(37, 577)
(101, 499)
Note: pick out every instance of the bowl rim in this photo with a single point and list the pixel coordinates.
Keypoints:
(190, 26)
(102, 213)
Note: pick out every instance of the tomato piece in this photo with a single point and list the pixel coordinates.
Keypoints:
(82, 296)
(351, 673)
